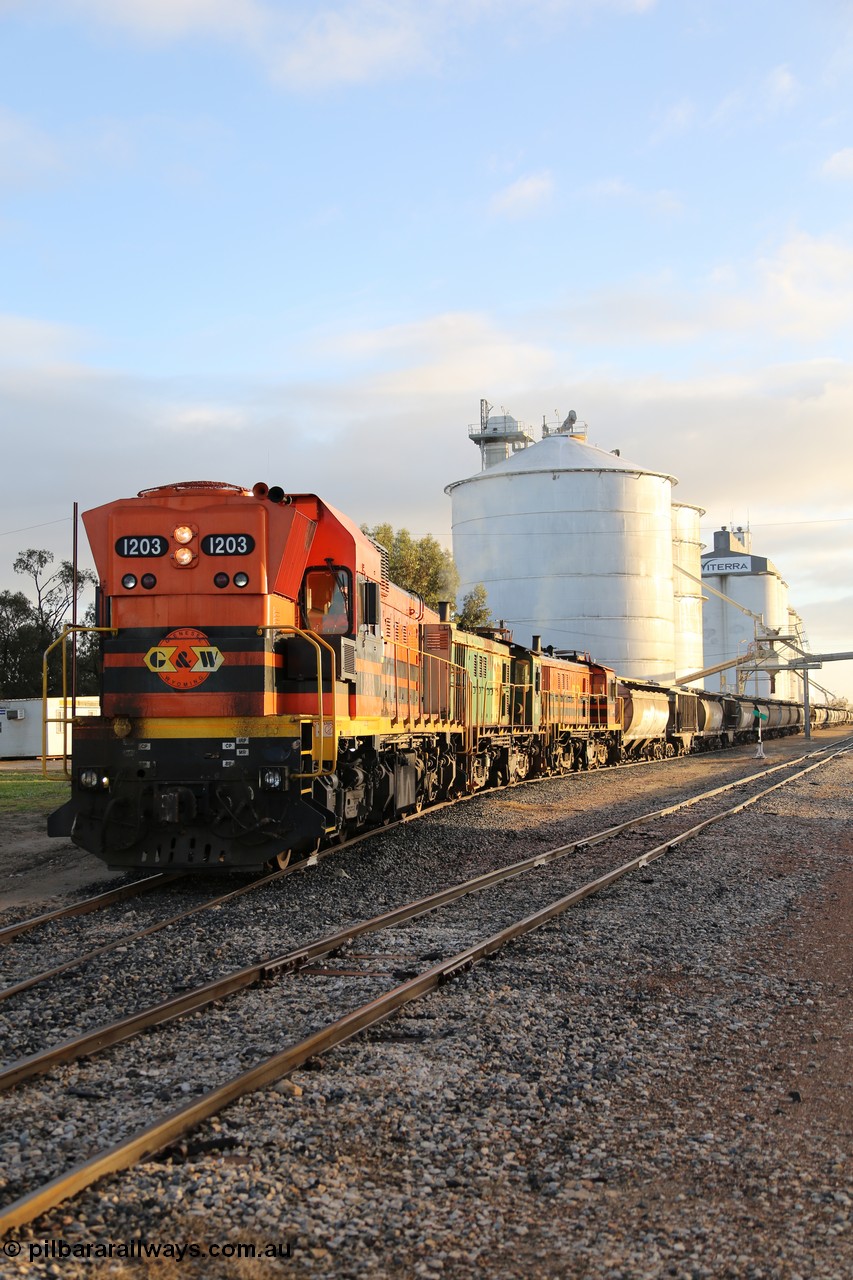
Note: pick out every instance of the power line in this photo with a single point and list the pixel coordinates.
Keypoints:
(783, 524)
(27, 527)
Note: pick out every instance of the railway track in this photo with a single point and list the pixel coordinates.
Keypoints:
(159, 880)
(125, 939)
(127, 891)
(87, 906)
(302, 963)
(123, 893)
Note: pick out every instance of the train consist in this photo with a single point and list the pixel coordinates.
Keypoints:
(265, 687)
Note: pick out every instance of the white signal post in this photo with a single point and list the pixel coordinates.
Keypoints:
(759, 754)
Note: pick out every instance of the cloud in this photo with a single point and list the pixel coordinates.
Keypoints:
(174, 19)
(780, 89)
(621, 192)
(202, 419)
(457, 353)
(26, 343)
(27, 154)
(839, 164)
(586, 6)
(352, 46)
(730, 109)
(524, 197)
(775, 92)
(31, 157)
(674, 122)
(800, 291)
(753, 446)
(806, 288)
(305, 45)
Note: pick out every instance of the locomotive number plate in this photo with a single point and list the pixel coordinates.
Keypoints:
(227, 544)
(142, 544)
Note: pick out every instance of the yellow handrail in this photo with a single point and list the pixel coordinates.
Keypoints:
(63, 720)
(319, 644)
(430, 670)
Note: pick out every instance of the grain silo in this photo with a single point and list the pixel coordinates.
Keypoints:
(687, 588)
(574, 544)
(746, 607)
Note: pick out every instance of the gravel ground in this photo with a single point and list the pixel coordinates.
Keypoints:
(656, 1084)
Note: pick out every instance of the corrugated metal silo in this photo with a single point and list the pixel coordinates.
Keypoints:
(755, 584)
(573, 544)
(687, 590)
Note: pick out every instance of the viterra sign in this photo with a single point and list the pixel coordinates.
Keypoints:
(735, 564)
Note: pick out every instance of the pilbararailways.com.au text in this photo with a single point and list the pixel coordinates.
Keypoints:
(56, 1249)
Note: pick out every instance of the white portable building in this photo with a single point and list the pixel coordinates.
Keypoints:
(21, 722)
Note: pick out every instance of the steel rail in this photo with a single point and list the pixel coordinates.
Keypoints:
(152, 1139)
(302, 865)
(77, 961)
(87, 905)
(176, 1007)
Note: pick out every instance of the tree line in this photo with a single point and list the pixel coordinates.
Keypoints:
(30, 621)
(423, 566)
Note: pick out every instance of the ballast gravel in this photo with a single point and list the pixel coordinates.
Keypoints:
(656, 1084)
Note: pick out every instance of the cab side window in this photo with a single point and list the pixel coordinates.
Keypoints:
(368, 605)
(326, 601)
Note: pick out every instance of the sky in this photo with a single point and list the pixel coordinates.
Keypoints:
(297, 242)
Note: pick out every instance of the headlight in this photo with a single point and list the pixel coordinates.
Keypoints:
(183, 533)
(129, 581)
(91, 779)
(271, 779)
(241, 579)
(184, 556)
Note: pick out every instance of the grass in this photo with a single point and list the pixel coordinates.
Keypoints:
(22, 792)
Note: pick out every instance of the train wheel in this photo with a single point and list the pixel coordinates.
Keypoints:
(522, 768)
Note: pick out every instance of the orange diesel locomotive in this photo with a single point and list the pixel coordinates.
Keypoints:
(265, 687)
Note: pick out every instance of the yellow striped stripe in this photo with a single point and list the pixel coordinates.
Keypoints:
(218, 727)
(274, 727)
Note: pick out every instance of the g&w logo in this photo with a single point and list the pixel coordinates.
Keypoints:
(184, 658)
